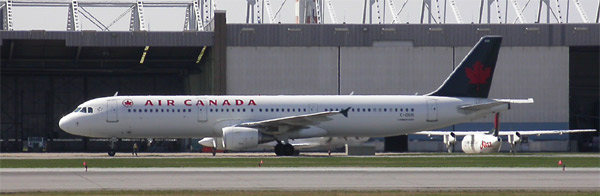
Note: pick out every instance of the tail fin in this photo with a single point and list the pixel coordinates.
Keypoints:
(473, 76)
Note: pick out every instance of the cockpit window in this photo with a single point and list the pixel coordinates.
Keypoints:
(83, 110)
(90, 110)
(77, 110)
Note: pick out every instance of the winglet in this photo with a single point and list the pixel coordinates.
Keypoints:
(345, 112)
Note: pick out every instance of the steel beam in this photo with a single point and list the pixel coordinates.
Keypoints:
(7, 15)
(73, 23)
(137, 22)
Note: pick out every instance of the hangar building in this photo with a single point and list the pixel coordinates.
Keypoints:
(46, 74)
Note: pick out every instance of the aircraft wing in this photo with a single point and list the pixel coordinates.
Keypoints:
(526, 132)
(458, 133)
(296, 121)
(546, 132)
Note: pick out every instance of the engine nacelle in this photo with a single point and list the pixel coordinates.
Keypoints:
(450, 139)
(515, 138)
(238, 138)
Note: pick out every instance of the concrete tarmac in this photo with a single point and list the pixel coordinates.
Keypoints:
(54, 179)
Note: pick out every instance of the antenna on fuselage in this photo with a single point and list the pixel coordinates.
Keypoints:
(116, 93)
(351, 93)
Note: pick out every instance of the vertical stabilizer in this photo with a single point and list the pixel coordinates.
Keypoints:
(473, 76)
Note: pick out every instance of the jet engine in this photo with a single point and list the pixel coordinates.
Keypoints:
(238, 138)
(450, 140)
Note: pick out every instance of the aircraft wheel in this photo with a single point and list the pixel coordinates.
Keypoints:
(288, 150)
(279, 149)
(112, 153)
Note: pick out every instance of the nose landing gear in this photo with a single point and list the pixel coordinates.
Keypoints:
(113, 147)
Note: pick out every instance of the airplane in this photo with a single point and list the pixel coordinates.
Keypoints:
(306, 143)
(247, 121)
(486, 142)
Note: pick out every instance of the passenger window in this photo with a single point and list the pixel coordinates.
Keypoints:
(83, 110)
(251, 110)
(260, 110)
(178, 110)
(412, 109)
(90, 110)
(128, 110)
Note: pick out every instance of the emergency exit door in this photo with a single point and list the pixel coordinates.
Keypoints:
(202, 111)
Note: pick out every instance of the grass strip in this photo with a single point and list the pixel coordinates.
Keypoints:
(316, 193)
(306, 162)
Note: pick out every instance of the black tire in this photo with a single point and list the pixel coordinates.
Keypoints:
(288, 150)
(279, 150)
(112, 153)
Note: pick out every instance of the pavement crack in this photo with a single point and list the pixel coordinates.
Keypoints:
(90, 181)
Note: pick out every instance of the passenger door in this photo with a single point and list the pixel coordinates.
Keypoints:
(432, 110)
(111, 113)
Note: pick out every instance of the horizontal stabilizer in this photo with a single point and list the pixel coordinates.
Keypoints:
(530, 100)
(497, 102)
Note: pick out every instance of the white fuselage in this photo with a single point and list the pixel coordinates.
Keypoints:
(205, 116)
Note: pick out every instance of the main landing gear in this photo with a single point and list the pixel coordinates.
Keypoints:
(284, 149)
(113, 147)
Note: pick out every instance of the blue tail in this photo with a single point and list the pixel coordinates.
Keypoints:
(473, 76)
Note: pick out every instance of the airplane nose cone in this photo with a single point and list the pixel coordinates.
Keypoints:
(66, 123)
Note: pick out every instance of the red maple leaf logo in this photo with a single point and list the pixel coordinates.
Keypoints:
(478, 75)
(127, 103)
